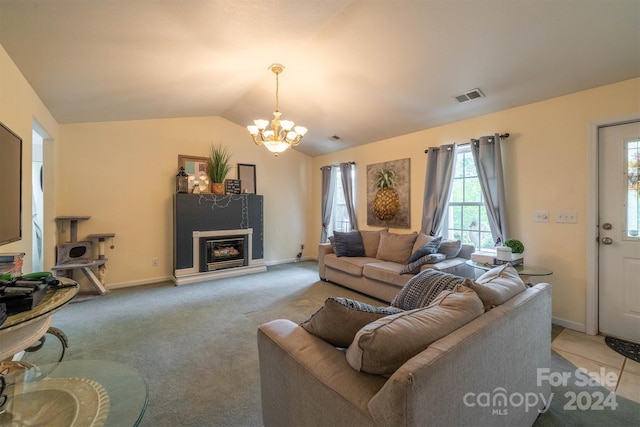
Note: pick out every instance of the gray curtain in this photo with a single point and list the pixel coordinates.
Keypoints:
(437, 187)
(328, 189)
(487, 157)
(347, 186)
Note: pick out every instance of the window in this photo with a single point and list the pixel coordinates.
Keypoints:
(633, 188)
(466, 217)
(339, 215)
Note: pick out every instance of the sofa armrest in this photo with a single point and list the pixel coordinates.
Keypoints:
(307, 381)
(323, 249)
(466, 251)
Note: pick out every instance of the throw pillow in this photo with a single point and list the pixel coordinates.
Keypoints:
(414, 267)
(426, 249)
(497, 285)
(451, 248)
(396, 247)
(348, 244)
(371, 240)
(422, 288)
(338, 321)
(384, 345)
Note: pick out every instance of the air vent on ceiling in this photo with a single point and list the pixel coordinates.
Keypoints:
(470, 95)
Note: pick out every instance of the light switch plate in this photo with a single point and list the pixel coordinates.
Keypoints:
(541, 216)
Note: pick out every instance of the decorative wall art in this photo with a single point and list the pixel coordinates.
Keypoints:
(196, 168)
(388, 194)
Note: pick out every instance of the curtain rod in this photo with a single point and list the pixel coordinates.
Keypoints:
(338, 164)
(502, 136)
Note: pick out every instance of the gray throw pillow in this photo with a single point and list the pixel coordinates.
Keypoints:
(384, 345)
(451, 248)
(340, 319)
(426, 249)
(422, 288)
(414, 267)
(348, 244)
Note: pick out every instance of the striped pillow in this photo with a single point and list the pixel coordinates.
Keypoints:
(422, 288)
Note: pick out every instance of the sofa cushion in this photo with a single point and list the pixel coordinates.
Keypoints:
(451, 248)
(430, 247)
(384, 345)
(422, 289)
(339, 319)
(371, 240)
(348, 243)
(349, 265)
(497, 285)
(396, 247)
(386, 272)
(414, 266)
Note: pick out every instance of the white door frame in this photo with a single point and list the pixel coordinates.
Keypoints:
(592, 217)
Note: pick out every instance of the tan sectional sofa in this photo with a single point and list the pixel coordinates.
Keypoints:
(378, 272)
(306, 381)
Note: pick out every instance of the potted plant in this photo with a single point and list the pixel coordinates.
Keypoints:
(218, 167)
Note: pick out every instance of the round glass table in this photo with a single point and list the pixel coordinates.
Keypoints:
(75, 393)
(525, 271)
(21, 330)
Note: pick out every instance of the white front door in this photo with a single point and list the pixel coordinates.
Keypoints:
(618, 222)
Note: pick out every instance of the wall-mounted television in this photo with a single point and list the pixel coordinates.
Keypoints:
(10, 186)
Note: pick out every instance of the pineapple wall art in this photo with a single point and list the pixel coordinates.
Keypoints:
(388, 194)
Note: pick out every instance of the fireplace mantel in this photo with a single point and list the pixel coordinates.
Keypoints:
(199, 215)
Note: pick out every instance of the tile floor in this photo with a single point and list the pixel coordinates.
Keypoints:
(593, 354)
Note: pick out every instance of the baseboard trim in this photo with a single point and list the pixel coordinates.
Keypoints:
(580, 327)
(139, 282)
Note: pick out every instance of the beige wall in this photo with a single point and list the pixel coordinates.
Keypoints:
(122, 174)
(19, 107)
(546, 168)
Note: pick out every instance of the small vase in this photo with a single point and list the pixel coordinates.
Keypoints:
(217, 188)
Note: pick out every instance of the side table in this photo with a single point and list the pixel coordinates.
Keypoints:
(23, 329)
(525, 271)
(98, 393)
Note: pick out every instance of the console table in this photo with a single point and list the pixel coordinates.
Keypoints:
(525, 271)
(23, 329)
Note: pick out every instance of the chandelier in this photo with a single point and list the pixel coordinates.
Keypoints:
(282, 134)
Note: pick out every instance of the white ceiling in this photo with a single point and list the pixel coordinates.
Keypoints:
(364, 70)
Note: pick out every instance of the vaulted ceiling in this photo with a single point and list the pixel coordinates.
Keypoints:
(362, 70)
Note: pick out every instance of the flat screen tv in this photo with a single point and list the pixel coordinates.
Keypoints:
(10, 186)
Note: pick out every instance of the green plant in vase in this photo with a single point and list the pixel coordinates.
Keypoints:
(218, 166)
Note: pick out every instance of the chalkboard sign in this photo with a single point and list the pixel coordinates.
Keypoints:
(232, 186)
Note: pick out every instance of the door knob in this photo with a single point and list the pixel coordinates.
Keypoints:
(607, 240)
(607, 226)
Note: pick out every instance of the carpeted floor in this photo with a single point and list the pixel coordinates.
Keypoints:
(195, 345)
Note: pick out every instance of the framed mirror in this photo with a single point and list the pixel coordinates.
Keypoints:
(196, 168)
(247, 177)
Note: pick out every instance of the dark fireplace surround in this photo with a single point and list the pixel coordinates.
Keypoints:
(231, 226)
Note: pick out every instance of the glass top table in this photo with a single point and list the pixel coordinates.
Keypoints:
(21, 330)
(525, 271)
(79, 392)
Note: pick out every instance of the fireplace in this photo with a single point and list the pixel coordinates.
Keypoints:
(219, 252)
